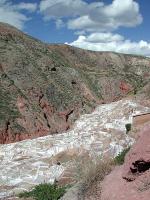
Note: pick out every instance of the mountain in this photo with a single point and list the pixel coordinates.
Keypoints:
(44, 88)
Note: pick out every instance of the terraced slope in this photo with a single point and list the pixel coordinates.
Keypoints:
(57, 157)
(44, 88)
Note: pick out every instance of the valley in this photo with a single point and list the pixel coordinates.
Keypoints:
(60, 104)
(46, 159)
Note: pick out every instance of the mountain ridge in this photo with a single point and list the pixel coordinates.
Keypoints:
(44, 88)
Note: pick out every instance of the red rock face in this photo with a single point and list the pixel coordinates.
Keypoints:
(116, 188)
(125, 87)
(8, 137)
(138, 159)
(132, 180)
(47, 120)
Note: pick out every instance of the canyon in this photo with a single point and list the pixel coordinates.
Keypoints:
(60, 104)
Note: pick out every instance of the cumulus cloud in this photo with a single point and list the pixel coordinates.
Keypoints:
(111, 42)
(12, 13)
(95, 21)
(62, 8)
(31, 7)
(95, 16)
(104, 37)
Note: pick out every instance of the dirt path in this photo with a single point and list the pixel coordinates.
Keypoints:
(94, 192)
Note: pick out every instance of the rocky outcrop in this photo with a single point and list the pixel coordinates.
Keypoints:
(132, 180)
(45, 88)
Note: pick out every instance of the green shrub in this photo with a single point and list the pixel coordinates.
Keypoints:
(44, 191)
(128, 127)
(119, 160)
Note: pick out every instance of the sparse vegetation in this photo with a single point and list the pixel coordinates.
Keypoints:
(92, 171)
(44, 191)
(89, 171)
(119, 160)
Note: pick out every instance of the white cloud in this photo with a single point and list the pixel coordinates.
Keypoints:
(12, 13)
(95, 21)
(104, 37)
(61, 8)
(111, 42)
(126, 12)
(85, 23)
(59, 23)
(31, 7)
(95, 16)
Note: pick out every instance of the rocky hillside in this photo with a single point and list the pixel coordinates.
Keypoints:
(132, 179)
(44, 88)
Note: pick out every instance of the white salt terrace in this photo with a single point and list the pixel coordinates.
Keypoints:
(30, 162)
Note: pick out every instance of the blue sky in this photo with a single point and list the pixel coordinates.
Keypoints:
(108, 25)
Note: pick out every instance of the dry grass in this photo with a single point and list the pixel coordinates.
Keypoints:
(89, 171)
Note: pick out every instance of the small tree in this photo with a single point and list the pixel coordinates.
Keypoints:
(119, 160)
(128, 127)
